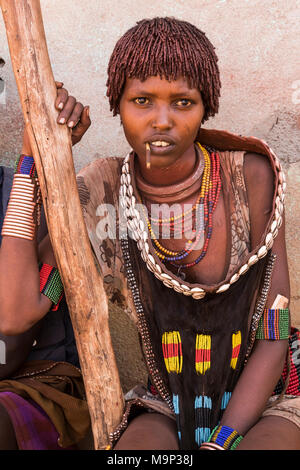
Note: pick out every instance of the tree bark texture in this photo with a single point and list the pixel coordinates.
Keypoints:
(52, 151)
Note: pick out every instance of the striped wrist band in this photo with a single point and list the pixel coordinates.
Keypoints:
(226, 437)
(274, 324)
(50, 284)
(25, 165)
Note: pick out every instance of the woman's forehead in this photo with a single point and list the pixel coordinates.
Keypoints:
(154, 84)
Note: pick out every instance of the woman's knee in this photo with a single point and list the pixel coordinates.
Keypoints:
(149, 431)
(272, 433)
(7, 433)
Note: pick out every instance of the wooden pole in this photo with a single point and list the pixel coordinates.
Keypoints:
(52, 152)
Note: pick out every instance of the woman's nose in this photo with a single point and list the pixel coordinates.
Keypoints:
(162, 119)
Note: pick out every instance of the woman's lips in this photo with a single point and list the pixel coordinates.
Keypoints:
(161, 147)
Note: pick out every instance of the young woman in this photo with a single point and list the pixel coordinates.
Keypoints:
(203, 273)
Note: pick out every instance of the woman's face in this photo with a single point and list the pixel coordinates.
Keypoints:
(167, 114)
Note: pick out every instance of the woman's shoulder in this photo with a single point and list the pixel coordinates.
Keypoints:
(99, 165)
(98, 181)
(257, 168)
(259, 179)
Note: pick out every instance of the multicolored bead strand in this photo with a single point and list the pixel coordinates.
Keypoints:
(226, 437)
(236, 346)
(169, 255)
(203, 407)
(203, 348)
(214, 193)
(274, 324)
(291, 370)
(172, 351)
(50, 284)
(25, 165)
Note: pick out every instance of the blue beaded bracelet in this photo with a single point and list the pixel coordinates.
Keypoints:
(226, 437)
(25, 166)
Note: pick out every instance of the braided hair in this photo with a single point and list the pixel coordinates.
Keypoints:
(168, 48)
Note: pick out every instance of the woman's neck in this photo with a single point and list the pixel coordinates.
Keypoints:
(174, 173)
(175, 192)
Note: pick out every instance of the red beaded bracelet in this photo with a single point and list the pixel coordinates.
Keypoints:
(50, 284)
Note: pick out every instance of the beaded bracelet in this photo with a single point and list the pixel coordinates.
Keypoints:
(50, 284)
(222, 438)
(23, 210)
(274, 324)
(24, 207)
(25, 165)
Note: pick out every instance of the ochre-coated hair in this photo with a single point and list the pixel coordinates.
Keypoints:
(168, 48)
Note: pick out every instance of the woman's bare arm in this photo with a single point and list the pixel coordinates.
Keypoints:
(266, 361)
(21, 304)
(16, 350)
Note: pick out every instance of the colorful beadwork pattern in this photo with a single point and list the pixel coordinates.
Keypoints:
(208, 198)
(225, 400)
(203, 406)
(203, 349)
(236, 346)
(177, 414)
(50, 284)
(172, 351)
(25, 166)
(225, 437)
(293, 387)
(274, 324)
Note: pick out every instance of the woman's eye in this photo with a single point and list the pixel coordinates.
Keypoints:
(184, 103)
(141, 100)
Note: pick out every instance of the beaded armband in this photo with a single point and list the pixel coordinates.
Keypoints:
(50, 284)
(274, 324)
(23, 212)
(224, 437)
(25, 166)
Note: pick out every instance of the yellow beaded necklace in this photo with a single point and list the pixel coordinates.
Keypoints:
(205, 185)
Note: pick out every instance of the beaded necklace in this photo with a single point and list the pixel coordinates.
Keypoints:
(175, 192)
(205, 206)
(176, 224)
(209, 207)
(172, 221)
(138, 232)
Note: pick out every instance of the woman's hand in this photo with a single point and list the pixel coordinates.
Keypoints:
(72, 113)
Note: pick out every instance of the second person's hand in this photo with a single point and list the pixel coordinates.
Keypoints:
(72, 113)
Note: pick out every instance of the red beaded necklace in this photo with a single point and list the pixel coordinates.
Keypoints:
(209, 207)
(206, 204)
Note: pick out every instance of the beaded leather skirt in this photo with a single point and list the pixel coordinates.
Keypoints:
(195, 350)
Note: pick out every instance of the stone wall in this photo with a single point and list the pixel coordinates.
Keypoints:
(258, 48)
